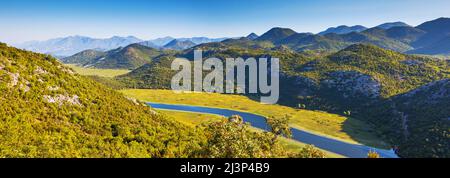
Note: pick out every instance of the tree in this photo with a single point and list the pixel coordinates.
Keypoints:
(310, 151)
(279, 127)
(232, 138)
(373, 154)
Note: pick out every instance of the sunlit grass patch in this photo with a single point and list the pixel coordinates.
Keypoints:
(98, 72)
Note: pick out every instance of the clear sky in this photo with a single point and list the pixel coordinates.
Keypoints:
(25, 20)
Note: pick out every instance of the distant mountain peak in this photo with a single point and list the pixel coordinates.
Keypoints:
(252, 36)
(179, 44)
(440, 24)
(392, 24)
(276, 34)
(71, 45)
(343, 29)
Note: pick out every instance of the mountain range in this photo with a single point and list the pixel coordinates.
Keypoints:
(179, 45)
(428, 38)
(344, 29)
(73, 44)
(67, 46)
(431, 38)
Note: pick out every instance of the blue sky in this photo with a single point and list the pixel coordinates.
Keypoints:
(25, 20)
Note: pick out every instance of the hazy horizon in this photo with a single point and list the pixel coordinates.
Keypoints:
(26, 20)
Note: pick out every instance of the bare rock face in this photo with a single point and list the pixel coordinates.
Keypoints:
(410, 62)
(63, 99)
(353, 84)
(306, 86)
(431, 93)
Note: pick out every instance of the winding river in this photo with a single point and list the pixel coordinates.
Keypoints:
(333, 145)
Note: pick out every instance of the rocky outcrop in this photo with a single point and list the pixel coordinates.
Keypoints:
(431, 93)
(353, 84)
(63, 99)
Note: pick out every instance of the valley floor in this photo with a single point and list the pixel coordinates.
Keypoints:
(321, 123)
(97, 72)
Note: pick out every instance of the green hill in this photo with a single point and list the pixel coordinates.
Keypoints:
(276, 34)
(129, 57)
(83, 57)
(48, 111)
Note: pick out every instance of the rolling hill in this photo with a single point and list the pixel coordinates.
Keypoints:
(129, 57)
(83, 57)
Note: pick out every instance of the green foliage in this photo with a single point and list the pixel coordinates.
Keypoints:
(85, 119)
(309, 151)
(279, 126)
(233, 138)
(373, 154)
(109, 82)
(83, 57)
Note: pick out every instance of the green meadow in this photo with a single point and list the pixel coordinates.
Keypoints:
(109, 73)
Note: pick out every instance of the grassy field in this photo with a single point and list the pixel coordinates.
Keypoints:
(321, 123)
(99, 72)
(193, 119)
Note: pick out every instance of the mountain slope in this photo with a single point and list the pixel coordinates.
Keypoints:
(424, 114)
(343, 29)
(274, 35)
(179, 45)
(440, 47)
(405, 34)
(201, 40)
(74, 44)
(83, 57)
(160, 42)
(252, 36)
(436, 30)
(392, 24)
(48, 111)
(129, 57)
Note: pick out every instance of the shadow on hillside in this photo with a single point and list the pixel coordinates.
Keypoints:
(363, 133)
